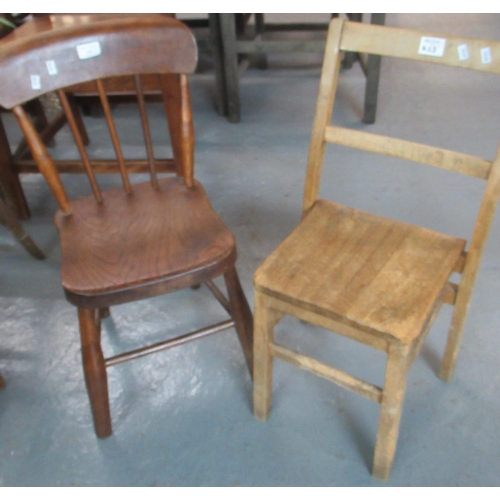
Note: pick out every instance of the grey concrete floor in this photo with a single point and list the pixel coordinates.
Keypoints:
(183, 417)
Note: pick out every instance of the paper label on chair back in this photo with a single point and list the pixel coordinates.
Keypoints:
(51, 67)
(88, 50)
(432, 46)
(486, 55)
(463, 52)
(36, 83)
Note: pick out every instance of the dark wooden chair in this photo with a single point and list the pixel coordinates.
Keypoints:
(152, 238)
(375, 280)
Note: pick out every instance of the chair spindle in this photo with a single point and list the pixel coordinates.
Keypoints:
(114, 136)
(79, 141)
(146, 130)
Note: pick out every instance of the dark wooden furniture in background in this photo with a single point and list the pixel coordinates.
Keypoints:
(236, 47)
(127, 244)
(376, 280)
(7, 215)
(9, 220)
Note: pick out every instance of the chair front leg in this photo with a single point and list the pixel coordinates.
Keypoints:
(2, 382)
(265, 319)
(398, 364)
(242, 315)
(94, 369)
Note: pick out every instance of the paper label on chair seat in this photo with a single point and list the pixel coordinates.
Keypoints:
(431, 46)
(88, 50)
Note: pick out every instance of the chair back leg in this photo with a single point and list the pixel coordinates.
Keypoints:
(242, 315)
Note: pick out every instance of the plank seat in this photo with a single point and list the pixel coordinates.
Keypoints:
(104, 248)
(347, 264)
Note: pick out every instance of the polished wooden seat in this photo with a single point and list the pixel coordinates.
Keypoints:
(378, 281)
(103, 251)
(139, 241)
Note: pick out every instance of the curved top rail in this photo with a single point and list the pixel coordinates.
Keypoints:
(58, 55)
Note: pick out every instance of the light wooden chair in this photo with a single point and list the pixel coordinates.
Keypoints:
(152, 238)
(378, 281)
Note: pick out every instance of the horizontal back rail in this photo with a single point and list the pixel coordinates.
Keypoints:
(461, 52)
(139, 166)
(408, 150)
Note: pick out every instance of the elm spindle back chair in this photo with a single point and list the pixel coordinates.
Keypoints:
(144, 240)
(376, 280)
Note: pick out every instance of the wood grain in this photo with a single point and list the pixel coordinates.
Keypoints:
(150, 235)
(370, 271)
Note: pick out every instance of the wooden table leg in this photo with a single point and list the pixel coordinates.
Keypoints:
(214, 24)
(8, 218)
(372, 78)
(228, 31)
(260, 59)
(9, 179)
(351, 57)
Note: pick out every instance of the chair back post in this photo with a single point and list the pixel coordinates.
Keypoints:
(324, 109)
(177, 102)
(480, 234)
(43, 159)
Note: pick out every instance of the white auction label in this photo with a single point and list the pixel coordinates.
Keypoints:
(431, 46)
(485, 55)
(51, 67)
(88, 50)
(36, 82)
(463, 52)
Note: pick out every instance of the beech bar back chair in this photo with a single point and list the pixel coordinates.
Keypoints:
(144, 240)
(376, 280)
